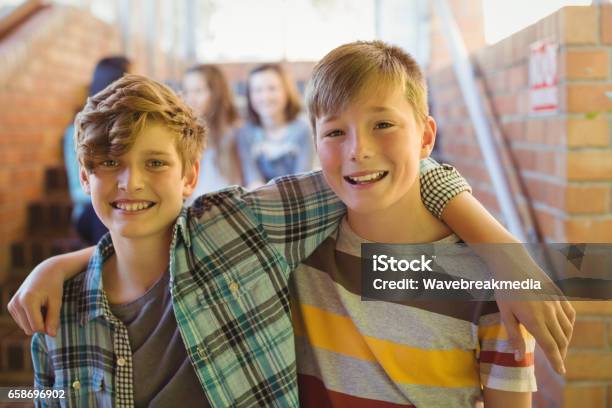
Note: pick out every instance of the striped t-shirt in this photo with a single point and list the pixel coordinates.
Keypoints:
(385, 354)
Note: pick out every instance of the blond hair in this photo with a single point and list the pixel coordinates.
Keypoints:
(111, 120)
(346, 72)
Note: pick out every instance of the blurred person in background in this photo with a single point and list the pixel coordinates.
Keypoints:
(275, 141)
(207, 91)
(84, 218)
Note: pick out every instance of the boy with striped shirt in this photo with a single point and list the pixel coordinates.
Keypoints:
(368, 106)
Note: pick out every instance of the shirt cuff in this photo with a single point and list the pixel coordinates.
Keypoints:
(439, 185)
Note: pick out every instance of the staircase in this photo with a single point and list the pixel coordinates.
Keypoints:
(49, 233)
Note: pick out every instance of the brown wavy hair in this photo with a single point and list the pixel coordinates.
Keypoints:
(111, 120)
(221, 118)
(294, 104)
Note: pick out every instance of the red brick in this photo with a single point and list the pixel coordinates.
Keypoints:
(584, 396)
(586, 132)
(583, 199)
(534, 129)
(545, 192)
(587, 64)
(505, 105)
(589, 165)
(589, 334)
(549, 224)
(589, 365)
(593, 308)
(523, 101)
(517, 78)
(606, 38)
(514, 130)
(556, 130)
(589, 98)
(588, 230)
(579, 25)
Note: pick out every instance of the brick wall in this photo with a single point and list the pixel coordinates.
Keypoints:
(564, 162)
(44, 75)
(46, 66)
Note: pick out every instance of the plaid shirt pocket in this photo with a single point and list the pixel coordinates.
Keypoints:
(81, 387)
(244, 336)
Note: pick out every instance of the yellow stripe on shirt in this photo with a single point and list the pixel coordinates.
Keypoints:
(404, 364)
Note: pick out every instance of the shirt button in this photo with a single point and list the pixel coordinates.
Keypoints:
(233, 287)
(76, 385)
(201, 353)
(121, 362)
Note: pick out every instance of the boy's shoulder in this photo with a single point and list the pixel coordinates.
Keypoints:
(78, 297)
(83, 293)
(294, 190)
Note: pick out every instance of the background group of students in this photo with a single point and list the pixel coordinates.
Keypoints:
(272, 139)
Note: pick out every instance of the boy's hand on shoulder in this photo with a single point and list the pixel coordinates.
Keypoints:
(551, 323)
(42, 289)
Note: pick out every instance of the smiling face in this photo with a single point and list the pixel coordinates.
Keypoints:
(196, 92)
(370, 151)
(268, 95)
(140, 193)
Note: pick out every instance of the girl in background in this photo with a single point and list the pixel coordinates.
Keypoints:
(206, 90)
(274, 142)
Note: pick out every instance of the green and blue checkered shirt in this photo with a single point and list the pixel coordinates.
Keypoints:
(230, 259)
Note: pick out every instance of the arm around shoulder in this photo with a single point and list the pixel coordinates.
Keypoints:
(43, 288)
(297, 212)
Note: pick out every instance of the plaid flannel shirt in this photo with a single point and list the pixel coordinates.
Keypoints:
(230, 260)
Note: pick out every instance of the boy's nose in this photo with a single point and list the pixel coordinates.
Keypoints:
(360, 146)
(130, 180)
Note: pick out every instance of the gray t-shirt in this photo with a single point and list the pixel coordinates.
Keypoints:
(163, 373)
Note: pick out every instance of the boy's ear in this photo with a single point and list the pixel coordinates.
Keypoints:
(84, 178)
(429, 137)
(190, 178)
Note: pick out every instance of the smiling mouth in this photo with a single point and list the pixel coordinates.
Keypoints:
(366, 179)
(132, 207)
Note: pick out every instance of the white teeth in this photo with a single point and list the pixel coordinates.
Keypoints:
(367, 177)
(132, 206)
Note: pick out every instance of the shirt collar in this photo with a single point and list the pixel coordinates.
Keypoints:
(92, 297)
(181, 227)
(92, 300)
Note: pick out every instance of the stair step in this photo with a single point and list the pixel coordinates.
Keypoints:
(15, 353)
(32, 251)
(56, 179)
(16, 378)
(49, 216)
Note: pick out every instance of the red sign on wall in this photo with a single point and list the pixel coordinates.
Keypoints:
(543, 77)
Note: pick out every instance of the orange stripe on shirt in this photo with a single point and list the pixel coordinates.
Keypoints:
(404, 364)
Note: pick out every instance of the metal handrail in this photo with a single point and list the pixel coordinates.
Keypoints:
(467, 83)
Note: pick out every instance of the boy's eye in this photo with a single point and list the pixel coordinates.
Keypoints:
(383, 125)
(156, 163)
(334, 133)
(109, 163)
